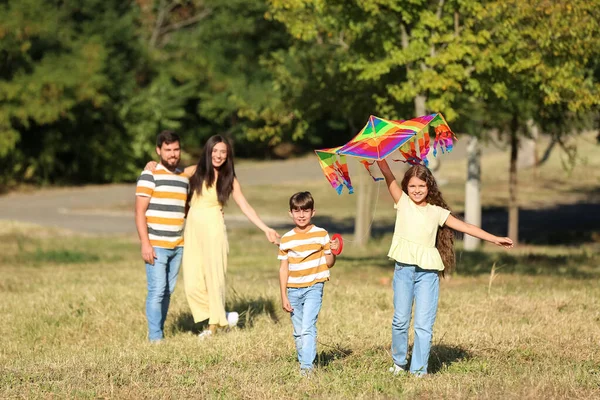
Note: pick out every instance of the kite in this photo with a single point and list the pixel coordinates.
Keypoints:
(381, 137)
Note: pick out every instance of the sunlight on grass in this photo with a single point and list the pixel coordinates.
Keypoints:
(77, 328)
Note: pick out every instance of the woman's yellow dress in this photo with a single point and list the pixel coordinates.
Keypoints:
(205, 258)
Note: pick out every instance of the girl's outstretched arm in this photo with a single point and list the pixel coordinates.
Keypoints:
(390, 180)
(249, 212)
(477, 232)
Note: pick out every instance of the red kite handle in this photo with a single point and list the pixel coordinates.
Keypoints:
(338, 237)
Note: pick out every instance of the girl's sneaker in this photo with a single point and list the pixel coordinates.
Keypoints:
(232, 318)
(397, 370)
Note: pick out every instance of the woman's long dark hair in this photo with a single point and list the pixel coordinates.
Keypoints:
(205, 173)
(445, 237)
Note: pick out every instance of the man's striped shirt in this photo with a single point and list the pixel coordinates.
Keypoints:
(165, 216)
(305, 253)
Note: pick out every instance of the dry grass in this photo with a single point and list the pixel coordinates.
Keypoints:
(74, 324)
(76, 327)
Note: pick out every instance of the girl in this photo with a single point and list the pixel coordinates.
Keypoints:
(423, 249)
(212, 182)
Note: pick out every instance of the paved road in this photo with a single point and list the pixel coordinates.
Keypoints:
(87, 209)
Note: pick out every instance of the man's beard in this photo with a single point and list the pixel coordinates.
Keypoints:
(169, 165)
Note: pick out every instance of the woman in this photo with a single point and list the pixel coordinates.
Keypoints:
(212, 182)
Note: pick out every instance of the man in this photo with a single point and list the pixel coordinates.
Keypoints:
(160, 206)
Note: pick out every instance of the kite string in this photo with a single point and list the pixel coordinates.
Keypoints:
(372, 219)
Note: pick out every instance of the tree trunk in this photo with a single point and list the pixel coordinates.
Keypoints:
(420, 105)
(527, 147)
(473, 192)
(513, 205)
(364, 209)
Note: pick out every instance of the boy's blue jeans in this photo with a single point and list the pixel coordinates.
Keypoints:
(306, 303)
(162, 277)
(413, 283)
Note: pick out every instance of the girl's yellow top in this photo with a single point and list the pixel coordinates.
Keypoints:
(415, 233)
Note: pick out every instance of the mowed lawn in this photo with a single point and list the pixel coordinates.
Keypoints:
(73, 322)
(73, 326)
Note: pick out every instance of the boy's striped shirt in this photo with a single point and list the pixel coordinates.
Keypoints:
(165, 216)
(305, 253)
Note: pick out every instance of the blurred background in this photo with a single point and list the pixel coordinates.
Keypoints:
(86, 85)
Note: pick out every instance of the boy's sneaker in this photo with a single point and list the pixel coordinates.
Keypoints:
(397, 370)
(206, 334)
(306, 372)
(232, 318)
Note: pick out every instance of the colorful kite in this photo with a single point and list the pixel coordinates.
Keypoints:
(379, 138)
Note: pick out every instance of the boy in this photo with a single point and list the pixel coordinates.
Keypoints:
(305, 254)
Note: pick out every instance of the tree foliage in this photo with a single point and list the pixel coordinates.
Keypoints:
(85, 85)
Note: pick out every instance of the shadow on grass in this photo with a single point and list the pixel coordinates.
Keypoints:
(577, 266)
(563, 224)
(248, 310)
(443, 355)
(345, 226)
(473, 263)
(336, 352)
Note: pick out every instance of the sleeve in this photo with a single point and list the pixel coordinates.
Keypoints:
(443, 215)
(283, 253)
(402, 201)
(145, 184)
(326, 244)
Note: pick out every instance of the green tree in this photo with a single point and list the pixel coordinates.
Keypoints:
(535, 65)
(67, 66)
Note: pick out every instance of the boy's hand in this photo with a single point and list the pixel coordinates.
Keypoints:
(285, 304)
(334, 244)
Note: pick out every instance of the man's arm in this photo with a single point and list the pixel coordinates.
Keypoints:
(141, 205)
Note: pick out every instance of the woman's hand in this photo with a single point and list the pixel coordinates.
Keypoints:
(272, 236)
(505, 242)
(150, 166)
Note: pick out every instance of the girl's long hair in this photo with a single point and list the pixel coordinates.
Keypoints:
(205, 173)
(445, 237)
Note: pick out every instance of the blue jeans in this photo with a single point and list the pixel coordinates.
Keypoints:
(306, 303)
(162, 277)
(423, 286)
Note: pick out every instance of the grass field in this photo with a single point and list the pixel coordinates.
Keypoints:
(74, 326)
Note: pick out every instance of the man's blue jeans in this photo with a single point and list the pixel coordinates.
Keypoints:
(306, 303)
(162, 277)
(423, 286)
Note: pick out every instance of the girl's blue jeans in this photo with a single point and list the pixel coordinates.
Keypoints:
(162, 277)
(306, 303)
(413, 283)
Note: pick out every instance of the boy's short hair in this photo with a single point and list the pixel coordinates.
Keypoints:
(167, 137)
(302, 201)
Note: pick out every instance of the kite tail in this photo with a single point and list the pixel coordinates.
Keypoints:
(335, 170)
(367, 165)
